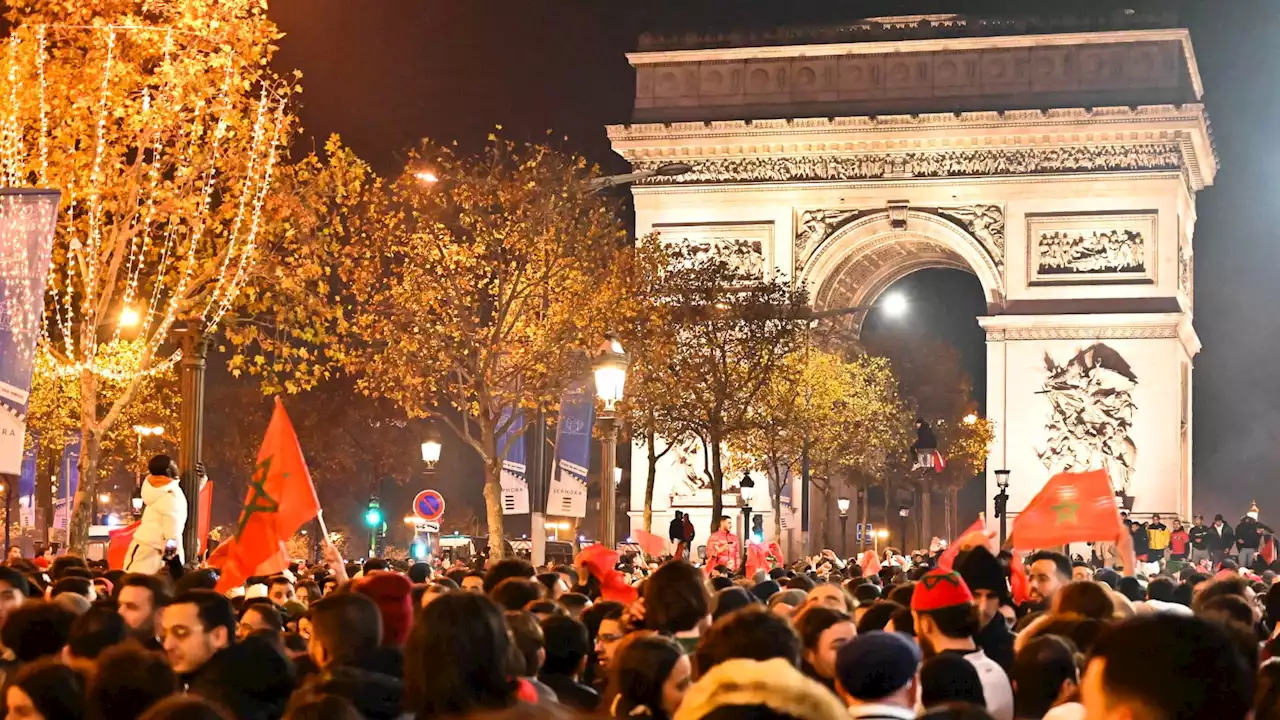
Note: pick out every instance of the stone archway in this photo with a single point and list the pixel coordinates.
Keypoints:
(860, 258)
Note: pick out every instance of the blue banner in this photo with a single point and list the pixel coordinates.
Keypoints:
(568, 493)
(515, 483)
(69, 469)
(27, 221)
(27, 478)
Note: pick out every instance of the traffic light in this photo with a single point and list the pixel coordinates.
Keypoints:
(757, 528)
(373, 515)
(1002, 504)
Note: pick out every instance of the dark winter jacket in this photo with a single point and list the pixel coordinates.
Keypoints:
(373, 684)
(572, 694)
(253, 679)
(1199, 537)
(1221, 539)
(1248, 534)
(997, 642)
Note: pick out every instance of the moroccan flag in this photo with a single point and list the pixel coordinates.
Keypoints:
(1019, 585)
(602, 563)
(870, 563)
(948, 558)
(281, 498)
(202, 517)
(1072, 507)
(650, 543)
(118, 541)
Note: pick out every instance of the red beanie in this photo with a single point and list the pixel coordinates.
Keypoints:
(940, 589)
(392, 593)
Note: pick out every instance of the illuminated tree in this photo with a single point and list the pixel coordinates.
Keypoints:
(482, 294)
(161, 123)
(734, 332)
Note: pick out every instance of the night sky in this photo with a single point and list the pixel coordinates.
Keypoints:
(384, 73)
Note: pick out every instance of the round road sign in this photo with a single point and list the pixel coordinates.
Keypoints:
(429, 505)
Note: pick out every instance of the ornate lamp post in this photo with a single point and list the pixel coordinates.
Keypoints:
(431, 447)
(843, 504)
(1002, 503)
(746, 490)
(610, 370)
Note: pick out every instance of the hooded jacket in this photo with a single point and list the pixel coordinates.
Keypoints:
(373, 684)
(164, 514)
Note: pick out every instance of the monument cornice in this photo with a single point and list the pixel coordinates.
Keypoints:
(943, 44)
(1133, 326)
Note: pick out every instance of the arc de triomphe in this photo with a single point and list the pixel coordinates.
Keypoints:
(1059, 165)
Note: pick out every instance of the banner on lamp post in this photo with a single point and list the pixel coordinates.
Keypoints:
(568, 493)
(27, 221)
(68, 482)
(515, 479)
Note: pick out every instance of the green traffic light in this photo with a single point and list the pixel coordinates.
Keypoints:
(373, 517)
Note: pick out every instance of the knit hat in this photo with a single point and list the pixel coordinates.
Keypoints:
(875, 665)
(391, 591)
(981, 571)
(771, 689)
(940, 589)
(731, 599)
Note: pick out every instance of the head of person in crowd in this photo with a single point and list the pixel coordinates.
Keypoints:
(469, 630)
(752, 633)
(46, 690)
(554, 584)
(78, 585)
(575, 604)
(877, 616)
(787, 602)
(986, 580)
(567, 647)
(472, 581)
(832, 596)
(36, 630)
(1168, 667)
(943, 613)
(676, 600)
(280, 590)
(902, 593)
(879, 668)
(1044, 675)
(127, 682)
(252, 678)
(803, 583)
(1081, 571)
(419, 573)
(650, 678)
(1228, 610)
(98, 629)
(68, 566)
(823, 631)
(346, 628)
(530, 644)
(949, 678)
(1087, 599)
(14, 589)
(605, 628)
(307, 592)
(517, 593)
(729, 600)
(195, 626)
(1047, 573)
(507, 568)
(185, 707)
(390, 592)
(543, 609)
(320, 706)
(1161, 589)
(259, 617)
(140, 600)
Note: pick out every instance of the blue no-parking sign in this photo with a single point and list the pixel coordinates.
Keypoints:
(429, 505)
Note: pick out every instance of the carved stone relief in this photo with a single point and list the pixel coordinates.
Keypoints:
(1092, 248)
(954, 163)
(749, 245)
(984, 222)
(1091, 396)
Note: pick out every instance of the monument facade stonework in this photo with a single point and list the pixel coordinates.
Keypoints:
(1059, 165)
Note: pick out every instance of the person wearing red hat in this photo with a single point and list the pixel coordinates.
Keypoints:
(946, 621)
(392, 592)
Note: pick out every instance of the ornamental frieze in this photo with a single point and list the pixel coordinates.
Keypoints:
(949, 163)
(984, 222)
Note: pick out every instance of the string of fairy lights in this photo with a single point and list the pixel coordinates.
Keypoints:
(163, 191)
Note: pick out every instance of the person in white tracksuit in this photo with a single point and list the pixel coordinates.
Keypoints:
(164, 518)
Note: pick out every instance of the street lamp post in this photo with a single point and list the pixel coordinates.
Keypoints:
(843, 504)
(431, 447)
(610, 369)
(1002, 503)
(746, 490)
(195, 352)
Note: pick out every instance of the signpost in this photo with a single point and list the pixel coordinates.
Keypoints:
(428, 505)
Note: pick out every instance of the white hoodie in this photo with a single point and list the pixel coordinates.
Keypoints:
(164, 516)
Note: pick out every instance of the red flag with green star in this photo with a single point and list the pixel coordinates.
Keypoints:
(1072, 507)
(281, 498)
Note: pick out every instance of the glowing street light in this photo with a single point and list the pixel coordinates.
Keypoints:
(129, 317)
(431, 447)
(104, 498)
(894, 304)
(426, 176)
(610, 370)
(971, 419)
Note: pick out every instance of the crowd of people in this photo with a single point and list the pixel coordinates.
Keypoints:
(938, 637)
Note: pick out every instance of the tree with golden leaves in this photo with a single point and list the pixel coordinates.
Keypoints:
(161, 122)
(479, 297)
